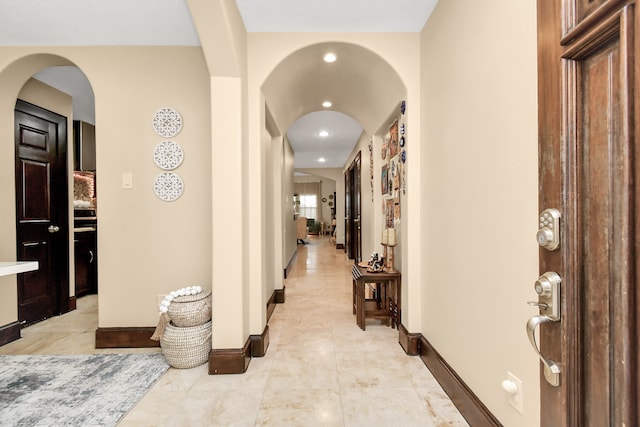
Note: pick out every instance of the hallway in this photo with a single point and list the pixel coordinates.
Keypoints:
(320, 368)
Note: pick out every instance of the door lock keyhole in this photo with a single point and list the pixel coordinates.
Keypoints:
(548, 235)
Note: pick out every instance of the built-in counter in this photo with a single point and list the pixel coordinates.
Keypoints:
(15, 267)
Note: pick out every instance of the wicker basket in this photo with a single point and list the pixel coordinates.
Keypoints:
(186, 348)
(191, 310)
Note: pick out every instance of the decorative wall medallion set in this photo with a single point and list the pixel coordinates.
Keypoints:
(168, 186)
(167, 122)
(168, 155)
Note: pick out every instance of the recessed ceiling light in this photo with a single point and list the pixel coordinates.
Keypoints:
(323, 134)
(330, 57)
(321, 160)
(327, 104)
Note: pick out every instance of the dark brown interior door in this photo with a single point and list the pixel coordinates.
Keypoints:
(41, 211)
(353, 212)
(588, 87)
(357, 211)
(348, 224)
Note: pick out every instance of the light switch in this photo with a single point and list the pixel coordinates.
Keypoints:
(127, 180)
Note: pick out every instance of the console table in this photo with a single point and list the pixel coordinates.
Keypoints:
(385, 306)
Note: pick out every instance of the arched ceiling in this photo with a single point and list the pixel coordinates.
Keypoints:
(309, 146)
(359, 84)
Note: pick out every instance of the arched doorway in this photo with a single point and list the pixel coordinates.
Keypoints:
(24, 80)
(359, 84)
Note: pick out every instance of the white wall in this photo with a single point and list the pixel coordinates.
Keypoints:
(479, 195)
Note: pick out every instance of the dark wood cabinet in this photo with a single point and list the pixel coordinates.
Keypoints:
(86, 261)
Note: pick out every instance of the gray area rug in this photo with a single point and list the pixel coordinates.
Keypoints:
(74, 390)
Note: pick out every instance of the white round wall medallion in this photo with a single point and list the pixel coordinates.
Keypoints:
(167, 122)
(168, 155)
(168, 186)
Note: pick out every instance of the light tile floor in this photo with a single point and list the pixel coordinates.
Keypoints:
(320, 368)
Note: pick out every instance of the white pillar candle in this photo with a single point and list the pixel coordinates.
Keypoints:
(385, 236)
(391, 238)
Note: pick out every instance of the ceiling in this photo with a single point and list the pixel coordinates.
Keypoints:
(169, 23)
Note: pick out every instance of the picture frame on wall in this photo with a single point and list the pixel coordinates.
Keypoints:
(384, 179)
(393, 140)
(390, 212)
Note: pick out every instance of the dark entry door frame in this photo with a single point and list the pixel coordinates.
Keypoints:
(353, 214)
(42, 213)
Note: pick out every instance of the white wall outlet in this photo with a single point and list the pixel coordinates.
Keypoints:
(514, 388)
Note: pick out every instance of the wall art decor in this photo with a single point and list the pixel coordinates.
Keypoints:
(168, 155)
(385, 147)
(384, 180)
(389, 211)
(395, 174)
(371, 167)
(167, 122)
(168, 186)
(393, 139)
(403, 158)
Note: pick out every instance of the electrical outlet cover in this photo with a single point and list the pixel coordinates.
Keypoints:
(516, 400)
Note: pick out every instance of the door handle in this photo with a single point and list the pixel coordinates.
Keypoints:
(548, 289)
(551, 369)
(53, 229)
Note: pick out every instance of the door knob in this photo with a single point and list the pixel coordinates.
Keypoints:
(53, 229)
(548, 289)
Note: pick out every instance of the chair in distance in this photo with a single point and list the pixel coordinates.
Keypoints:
(302, 231)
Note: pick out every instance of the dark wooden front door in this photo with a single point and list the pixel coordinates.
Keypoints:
(588, 88)
(42, 216)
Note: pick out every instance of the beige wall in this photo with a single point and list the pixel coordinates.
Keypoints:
(479, 195)
(288, 224)
(146, 246)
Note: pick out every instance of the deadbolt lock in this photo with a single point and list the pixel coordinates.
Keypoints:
(548, 235)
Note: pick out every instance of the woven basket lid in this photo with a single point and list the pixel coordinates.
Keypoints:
(191, 298)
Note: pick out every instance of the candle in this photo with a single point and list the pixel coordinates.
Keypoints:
(391, 237)
(385, 236)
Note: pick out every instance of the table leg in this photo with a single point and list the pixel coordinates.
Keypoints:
(361, 307)
(353, 292)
